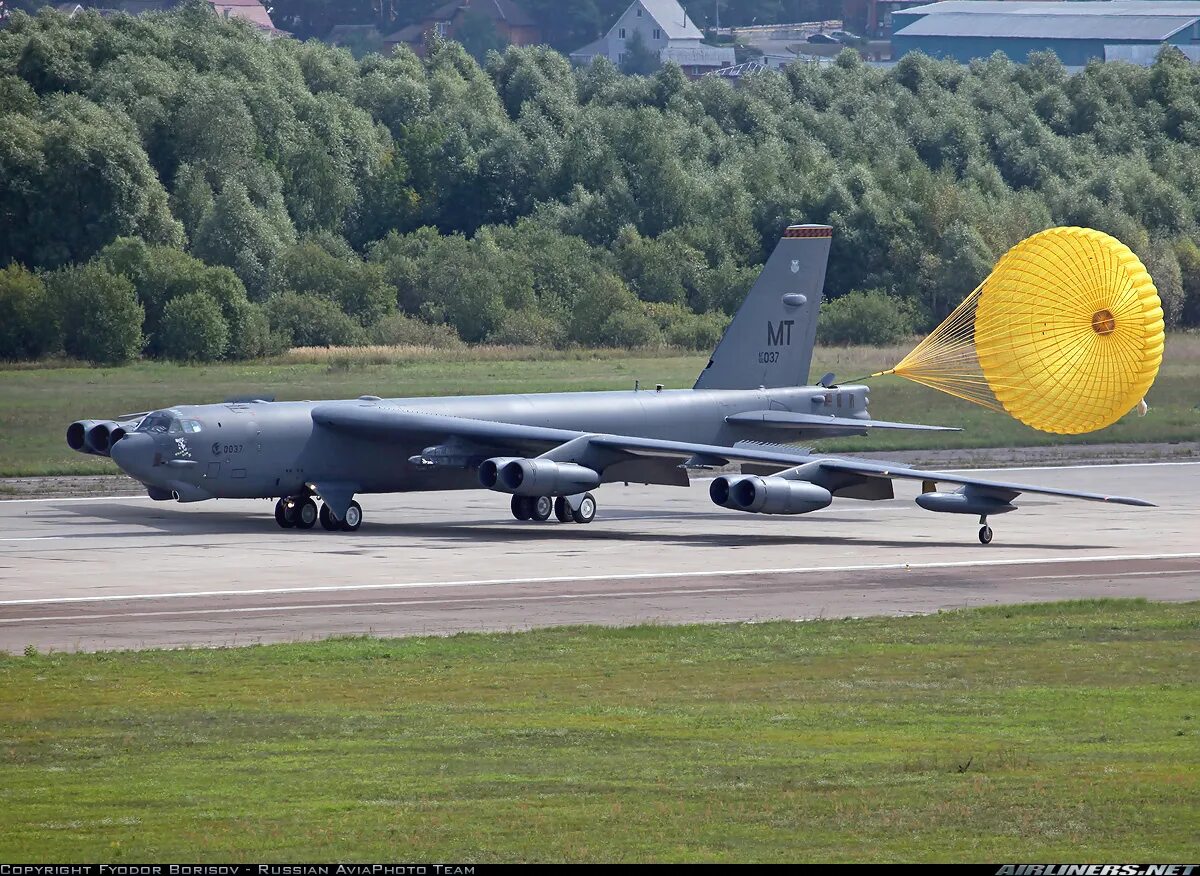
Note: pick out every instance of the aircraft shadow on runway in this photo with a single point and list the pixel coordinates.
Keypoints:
(490, 531)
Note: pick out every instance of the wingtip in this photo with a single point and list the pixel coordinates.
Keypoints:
(1128, 500)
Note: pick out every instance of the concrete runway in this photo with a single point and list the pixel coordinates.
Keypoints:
(125, 572)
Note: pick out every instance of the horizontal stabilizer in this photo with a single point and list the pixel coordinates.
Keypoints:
(791, 420)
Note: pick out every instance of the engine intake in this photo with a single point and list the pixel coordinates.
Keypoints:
(769, 495)
(537, 477)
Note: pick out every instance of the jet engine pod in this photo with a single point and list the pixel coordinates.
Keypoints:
(719, 491)
(965, 501)
(545, 477)
(770, 495)
(489, 471)
(77, 435)
(98, 438)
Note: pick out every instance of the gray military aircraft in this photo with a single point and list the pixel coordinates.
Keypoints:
(549, 451)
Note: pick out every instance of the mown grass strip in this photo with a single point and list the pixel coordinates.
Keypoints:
(1066, 732)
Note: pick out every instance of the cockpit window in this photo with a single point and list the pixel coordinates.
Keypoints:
(163, 422)
(157, 423)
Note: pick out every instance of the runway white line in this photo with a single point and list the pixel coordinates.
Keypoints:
(392, 603)
(636, 576)
(37, 538)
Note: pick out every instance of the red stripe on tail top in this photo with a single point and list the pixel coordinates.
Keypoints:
(809, 231)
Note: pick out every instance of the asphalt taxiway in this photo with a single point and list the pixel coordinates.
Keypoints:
(126, 572)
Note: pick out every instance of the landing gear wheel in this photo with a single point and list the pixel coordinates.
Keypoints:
(305, 514)
(282, 515)
(328, 522)
(562, 510)
(353, 518)
(522, 507)
(543, 507)
(586, 512)
(985, 535)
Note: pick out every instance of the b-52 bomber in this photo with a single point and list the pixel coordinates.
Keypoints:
(550, 451)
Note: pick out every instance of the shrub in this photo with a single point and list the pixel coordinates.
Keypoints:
(629, 328)
(100, 314)
(249, 331)
(194, 329)
(401, 330)
(871, 317)
(691, 331)
(530, 329)
(311, 321)
(29, 328)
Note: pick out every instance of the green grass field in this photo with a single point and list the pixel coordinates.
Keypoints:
(36, 404)
(1068, 731)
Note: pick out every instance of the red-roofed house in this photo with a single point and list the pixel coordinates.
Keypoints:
(512, 23)
(248, 10)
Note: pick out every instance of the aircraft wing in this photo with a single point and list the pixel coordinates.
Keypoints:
(388, 424)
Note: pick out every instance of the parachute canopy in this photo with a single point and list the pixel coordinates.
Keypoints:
(1065, 334)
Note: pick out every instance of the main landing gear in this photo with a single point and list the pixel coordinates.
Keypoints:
(985, 531)
(300, 512)
(568, 509)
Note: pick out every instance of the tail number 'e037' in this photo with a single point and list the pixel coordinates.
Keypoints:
(227, 449)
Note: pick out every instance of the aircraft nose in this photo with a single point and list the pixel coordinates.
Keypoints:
(134, 453)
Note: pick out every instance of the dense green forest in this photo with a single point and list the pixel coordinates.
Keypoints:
(177, 184)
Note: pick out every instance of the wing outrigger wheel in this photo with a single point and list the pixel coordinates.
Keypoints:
(1065, 334)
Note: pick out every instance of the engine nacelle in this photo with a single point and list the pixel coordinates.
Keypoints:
(769, 495)
(489, 471)
(964, 502)
(77, 435)
(537, 477)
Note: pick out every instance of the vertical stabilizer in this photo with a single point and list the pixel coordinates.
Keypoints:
(770, 341)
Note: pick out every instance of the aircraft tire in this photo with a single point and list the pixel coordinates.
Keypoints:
(353, 518)
(281, 515)
(543, 507)
(586, 512)
(328, 522)
(562, 510)
(985, 535)
(305, 514)
(522, 507)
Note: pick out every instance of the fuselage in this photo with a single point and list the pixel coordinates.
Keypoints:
(269, 449)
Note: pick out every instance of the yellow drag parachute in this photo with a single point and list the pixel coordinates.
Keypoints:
(1065, 334)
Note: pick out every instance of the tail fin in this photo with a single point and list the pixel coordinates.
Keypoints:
(770, 341)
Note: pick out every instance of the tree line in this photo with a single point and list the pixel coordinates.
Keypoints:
(180, 170)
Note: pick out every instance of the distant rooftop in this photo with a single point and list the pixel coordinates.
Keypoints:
(1154, 28)
(672, 19)
(1136, 8)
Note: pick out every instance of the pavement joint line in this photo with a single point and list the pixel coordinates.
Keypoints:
(637, 576)
(1107, 575)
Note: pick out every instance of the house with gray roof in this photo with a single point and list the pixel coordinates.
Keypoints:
(1078, 32)
(666, 30)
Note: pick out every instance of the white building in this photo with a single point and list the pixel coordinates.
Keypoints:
(666, 29)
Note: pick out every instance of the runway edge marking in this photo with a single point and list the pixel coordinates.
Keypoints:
(569, 579)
